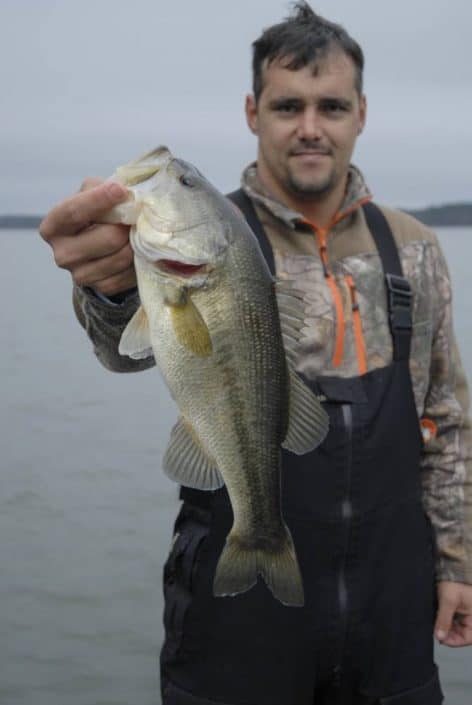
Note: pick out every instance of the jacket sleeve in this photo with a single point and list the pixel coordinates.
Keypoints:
(447, 458)
(104, 323)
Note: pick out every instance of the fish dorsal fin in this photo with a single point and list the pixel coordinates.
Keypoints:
(291, 305)
(186, 462)
(136, 338)
(308, 422)
(190, 329)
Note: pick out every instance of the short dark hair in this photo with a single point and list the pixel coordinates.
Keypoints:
(303, 38)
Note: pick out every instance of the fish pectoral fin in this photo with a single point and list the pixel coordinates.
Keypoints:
(190, 329)
(308, 422)
(186, 462)
(136, 338)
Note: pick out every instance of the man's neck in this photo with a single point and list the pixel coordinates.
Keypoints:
(319, 210)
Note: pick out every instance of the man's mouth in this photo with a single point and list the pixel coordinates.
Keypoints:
(310, 153)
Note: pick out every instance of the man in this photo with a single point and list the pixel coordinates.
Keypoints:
(378, 348)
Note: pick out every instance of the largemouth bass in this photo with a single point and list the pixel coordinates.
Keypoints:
(210, 317)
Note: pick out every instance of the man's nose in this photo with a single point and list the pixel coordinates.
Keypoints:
(309, 126)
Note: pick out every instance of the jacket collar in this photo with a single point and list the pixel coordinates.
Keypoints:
(357, 193)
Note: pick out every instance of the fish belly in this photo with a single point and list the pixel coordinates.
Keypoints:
(236, 401)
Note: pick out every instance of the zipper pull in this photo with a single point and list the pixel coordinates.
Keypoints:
(357, 325)
(323, 249)
(353, 293)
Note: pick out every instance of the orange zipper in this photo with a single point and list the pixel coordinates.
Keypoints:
(321, 235)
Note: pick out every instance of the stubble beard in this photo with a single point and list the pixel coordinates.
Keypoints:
(306, 189)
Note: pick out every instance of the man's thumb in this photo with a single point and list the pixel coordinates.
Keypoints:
(447, 608)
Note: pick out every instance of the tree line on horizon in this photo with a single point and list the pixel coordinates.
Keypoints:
(448, 215)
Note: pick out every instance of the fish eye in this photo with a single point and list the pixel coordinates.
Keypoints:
(187, 180)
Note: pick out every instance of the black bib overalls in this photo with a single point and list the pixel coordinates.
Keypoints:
(364, 545)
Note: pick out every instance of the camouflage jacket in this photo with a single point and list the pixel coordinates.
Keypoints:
(346, 333)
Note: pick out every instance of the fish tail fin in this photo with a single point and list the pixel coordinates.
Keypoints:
(240, 564)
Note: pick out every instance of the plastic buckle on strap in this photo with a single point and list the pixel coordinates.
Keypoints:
(399, 302)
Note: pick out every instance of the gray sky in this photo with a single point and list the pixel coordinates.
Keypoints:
(89, 84)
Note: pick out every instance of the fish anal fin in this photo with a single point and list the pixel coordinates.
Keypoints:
(190, 329)
(308, 423)
(136, 338)
(186, 462)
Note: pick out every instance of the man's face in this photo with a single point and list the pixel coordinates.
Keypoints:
(307, 123)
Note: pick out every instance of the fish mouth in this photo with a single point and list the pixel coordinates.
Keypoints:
(181, 269)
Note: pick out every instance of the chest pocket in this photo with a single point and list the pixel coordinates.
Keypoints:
(180, 570)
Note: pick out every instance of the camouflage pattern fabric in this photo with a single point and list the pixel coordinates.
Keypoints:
(438, 379)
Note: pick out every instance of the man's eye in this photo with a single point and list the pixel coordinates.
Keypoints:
(333, 108)
(287, 108)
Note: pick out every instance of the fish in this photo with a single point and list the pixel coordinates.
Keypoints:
(212, 315)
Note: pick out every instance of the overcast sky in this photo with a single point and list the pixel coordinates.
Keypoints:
(90, 84)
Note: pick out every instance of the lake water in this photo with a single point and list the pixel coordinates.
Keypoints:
(85, 511)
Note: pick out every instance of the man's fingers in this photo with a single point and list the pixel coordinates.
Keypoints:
(93, 272)
(460, 633)
(78, 211)
(453, 640)
(118, 283)
(454, 619)
(91, 244)
(447, 608)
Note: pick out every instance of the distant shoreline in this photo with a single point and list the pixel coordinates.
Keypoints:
(20, 222)
(448, 215)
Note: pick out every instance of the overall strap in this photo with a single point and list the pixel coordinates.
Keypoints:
(399, 294)
(245, 204)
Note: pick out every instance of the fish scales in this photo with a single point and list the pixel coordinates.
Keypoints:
(239, 437)
(209, 315)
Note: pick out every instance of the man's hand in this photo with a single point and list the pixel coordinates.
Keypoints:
(454, 619)
(98, 256)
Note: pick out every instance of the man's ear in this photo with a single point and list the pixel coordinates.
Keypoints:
(251, 113)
